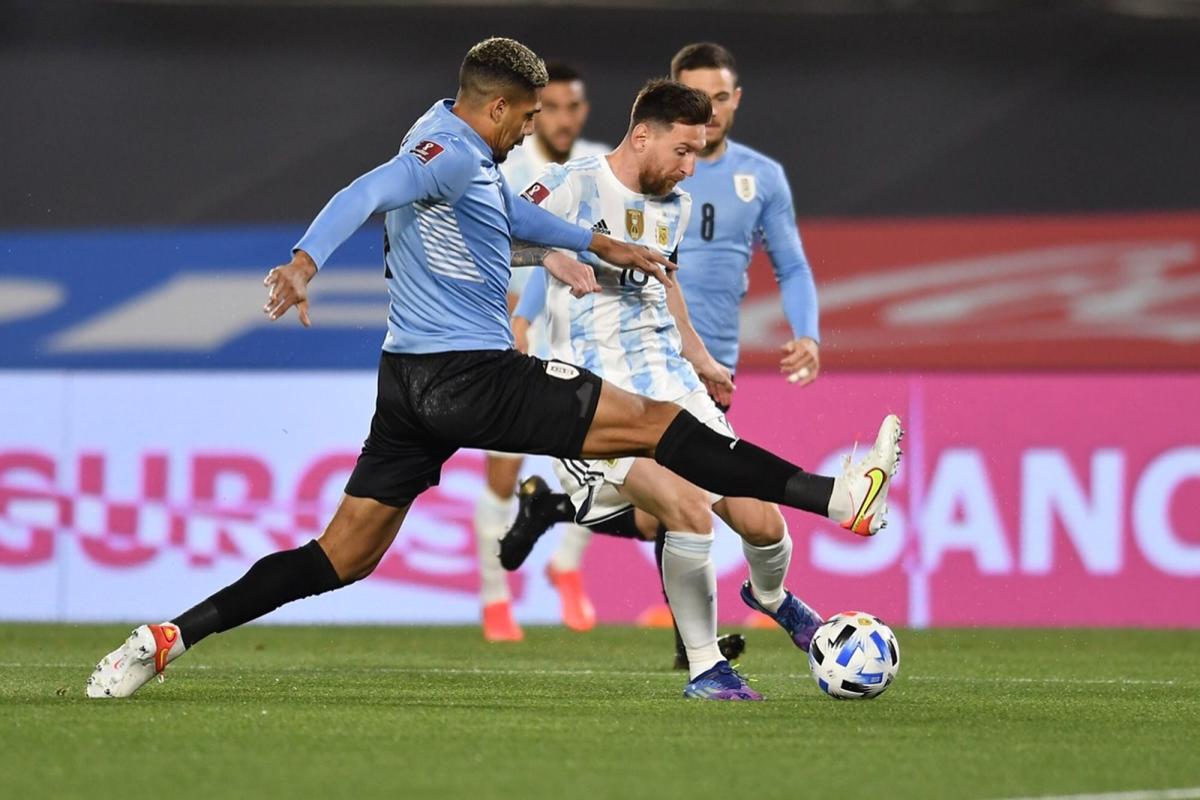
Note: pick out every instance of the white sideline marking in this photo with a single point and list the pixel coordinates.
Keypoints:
(1141, 794)
(585, 673)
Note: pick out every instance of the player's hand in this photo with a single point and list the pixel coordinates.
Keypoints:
(580, 277)
(717, 380)
(623, 254)
(287, 286)
(520, 329)
(801, 361)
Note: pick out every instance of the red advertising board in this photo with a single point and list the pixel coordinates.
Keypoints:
(1074, 292)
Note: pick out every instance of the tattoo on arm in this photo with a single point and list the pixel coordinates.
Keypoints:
(527, 254)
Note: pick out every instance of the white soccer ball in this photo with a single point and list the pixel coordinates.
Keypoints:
(854, 655)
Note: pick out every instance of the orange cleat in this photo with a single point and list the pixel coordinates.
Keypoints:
(656, 617)
(757, 620)
(499, 625)
(578, 613)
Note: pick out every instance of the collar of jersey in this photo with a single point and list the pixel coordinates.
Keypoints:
(714, 164)
(452, 122)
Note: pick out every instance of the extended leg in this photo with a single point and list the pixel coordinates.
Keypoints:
(353, 544)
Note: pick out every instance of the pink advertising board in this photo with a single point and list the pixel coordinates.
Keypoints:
(1023, 499)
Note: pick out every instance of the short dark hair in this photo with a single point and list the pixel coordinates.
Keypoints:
(562, 71)
(703, 55)
(497, 66)
(665, 102)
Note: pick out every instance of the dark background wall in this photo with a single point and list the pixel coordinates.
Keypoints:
(133, 114)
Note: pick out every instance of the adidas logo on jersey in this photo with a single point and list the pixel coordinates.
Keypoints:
(601, 227)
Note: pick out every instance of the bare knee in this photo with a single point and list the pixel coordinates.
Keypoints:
(647, 524)
(765, 528)
(687, 509)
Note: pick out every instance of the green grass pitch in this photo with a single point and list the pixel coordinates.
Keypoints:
(437, 713)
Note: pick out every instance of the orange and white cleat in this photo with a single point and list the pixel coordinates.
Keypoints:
(859, 501)
(656, 616)
(144, 654)
(499, 625)
(578, 613)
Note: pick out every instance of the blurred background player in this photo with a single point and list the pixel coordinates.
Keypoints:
(556, 139)
(739, 196)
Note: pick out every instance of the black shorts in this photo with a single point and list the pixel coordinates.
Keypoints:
(430, 405)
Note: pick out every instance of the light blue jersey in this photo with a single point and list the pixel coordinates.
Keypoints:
(624, 333)
(740, 197)
(449, 224)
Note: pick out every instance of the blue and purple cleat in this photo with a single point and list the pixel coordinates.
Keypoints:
(720, 682)
(794, 616)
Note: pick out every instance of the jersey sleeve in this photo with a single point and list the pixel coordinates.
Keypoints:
(433, 169)
(781, 239)
(541, 212)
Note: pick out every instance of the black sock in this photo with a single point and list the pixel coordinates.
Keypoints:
(624, 526)
(660, 541)
(273, 580)
(737, 468)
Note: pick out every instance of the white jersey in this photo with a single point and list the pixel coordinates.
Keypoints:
(522, 167)
(625, 333)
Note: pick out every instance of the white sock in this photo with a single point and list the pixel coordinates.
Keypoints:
(493, 515)
(690, 580)
(768, 569)
(569, 555)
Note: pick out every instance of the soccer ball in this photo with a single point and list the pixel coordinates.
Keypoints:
(854, 655)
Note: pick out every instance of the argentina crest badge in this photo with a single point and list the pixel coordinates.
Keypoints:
(662, 234)
(745, 186)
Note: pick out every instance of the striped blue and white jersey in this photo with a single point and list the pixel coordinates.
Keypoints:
(522, 167)
(625, 333)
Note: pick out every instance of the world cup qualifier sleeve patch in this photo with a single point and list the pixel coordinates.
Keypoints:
(536, 193)
(427, 151)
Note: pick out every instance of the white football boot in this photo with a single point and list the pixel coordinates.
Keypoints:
(859, 501)
(144, 654)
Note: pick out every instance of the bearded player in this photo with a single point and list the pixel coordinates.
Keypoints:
(637, 334)
(740, 197)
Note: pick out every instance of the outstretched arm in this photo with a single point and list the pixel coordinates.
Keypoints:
(410, 176)
(716, 378)
(801, 361)
(535, 224)
(403, 180)
(580, 277)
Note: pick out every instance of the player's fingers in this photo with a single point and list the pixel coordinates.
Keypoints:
(797, 359)
(280, 308)
(658, 272)
(303, 308)
(802, 376)
(723, 394)
(812, 376)
(665, 262)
